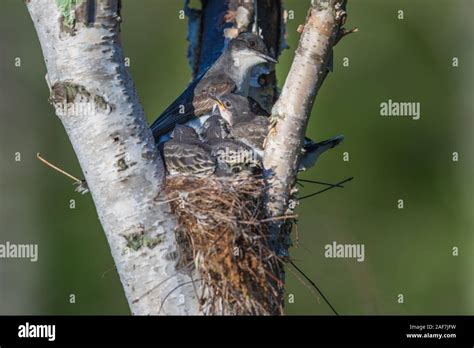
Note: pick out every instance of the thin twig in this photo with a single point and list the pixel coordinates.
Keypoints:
(314, 285)
(317, 182)
(283, 217)
(49, 164)
(173, 290)
(326, 189)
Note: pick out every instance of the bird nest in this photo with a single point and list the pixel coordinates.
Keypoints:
(222, 235)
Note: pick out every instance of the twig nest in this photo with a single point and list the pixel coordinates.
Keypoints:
(222, 235)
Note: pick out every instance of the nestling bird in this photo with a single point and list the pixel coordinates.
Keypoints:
(245, 124)
(230, 73)
(186, 154)
(215, 127)
(252, 129)
(232, 155)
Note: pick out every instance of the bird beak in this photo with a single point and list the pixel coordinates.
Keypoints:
(219, 103)
(268, 58)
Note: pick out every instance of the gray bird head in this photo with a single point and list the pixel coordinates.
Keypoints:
(184, 133)
(249, 49)
(234, 108)
(215, 127)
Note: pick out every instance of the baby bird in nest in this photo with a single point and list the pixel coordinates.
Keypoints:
(186, 154)
(233, 156)
(231, 142)
(250, 124)
(216, 153)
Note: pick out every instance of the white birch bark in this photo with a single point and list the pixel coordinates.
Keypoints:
(292, 110)
(115, 148)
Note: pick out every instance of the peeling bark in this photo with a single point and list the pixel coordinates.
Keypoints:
(115, 148)
(321, 31)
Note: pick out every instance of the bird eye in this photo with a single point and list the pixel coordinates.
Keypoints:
(252, 43)
(228, 104)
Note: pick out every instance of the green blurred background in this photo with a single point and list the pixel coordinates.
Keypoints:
(407, 251)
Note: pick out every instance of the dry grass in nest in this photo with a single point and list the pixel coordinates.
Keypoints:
(222, 232)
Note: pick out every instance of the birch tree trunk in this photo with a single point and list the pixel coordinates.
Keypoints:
(115, 148)
(322, 29)
(85, 63)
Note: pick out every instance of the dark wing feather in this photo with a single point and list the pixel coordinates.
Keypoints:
(196, 100)
(324, 145)
(172, 116)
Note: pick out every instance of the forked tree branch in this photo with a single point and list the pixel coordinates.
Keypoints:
(85, 63)
(293, 108)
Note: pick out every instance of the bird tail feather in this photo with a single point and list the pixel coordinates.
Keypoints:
(325, 144)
